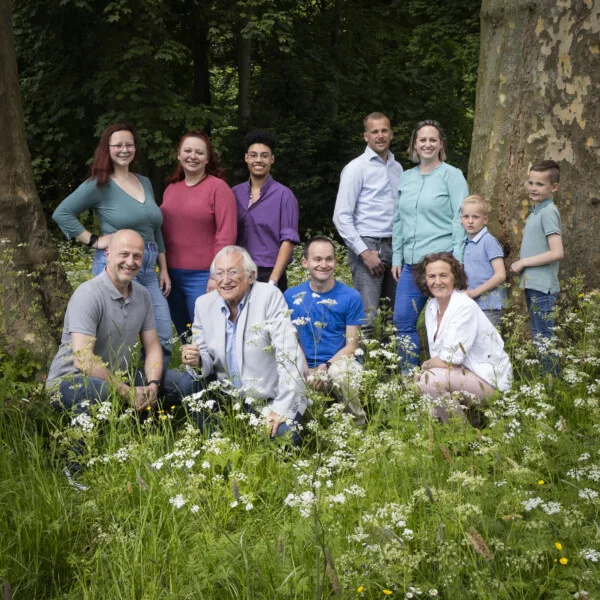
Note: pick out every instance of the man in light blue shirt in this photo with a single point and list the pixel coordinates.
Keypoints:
(364, 214)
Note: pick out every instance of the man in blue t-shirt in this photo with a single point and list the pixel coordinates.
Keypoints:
(328, 315)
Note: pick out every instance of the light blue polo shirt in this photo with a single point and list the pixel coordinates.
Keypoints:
(543, 220)
(479, 253)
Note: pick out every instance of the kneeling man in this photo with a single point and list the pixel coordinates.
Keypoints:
(242, 333)
(328, 316)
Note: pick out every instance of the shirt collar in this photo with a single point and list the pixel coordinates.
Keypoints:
(478, 236)
(371, 154)
(542, 204)
(264, 188)
(114, 293)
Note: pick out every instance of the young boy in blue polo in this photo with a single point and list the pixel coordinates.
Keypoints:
(541, 251)
(483, 260)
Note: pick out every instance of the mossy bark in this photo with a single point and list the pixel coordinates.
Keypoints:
(33, 286)
(538, 98)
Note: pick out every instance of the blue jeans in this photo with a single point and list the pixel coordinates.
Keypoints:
(540, 308)
(149, 279)
(373, 289)
(186, 286)
(409, 304)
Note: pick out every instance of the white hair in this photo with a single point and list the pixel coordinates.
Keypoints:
(249, 265)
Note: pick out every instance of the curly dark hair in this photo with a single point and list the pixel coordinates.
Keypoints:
(259, 136)
(420, 272)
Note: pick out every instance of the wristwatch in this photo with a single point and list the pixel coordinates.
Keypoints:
(272, 282)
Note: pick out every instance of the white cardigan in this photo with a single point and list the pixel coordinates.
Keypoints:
(466, 337)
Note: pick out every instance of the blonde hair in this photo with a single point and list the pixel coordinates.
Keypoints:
(476, 199)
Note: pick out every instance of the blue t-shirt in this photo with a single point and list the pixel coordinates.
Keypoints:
(479, 253)
(321, 319)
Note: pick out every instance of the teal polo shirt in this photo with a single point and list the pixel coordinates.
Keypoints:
(543, 220)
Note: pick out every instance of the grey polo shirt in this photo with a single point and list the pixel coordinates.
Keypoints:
(544, 220)
(99, 310)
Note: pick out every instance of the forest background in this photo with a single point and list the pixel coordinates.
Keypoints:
(307, 70)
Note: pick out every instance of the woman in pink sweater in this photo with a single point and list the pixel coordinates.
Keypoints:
(199, 218)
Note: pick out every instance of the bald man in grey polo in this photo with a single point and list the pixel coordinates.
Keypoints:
(99, 310)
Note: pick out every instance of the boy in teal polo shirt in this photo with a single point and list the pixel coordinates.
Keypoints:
(541, 251)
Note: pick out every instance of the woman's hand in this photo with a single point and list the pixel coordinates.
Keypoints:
(396, 272)
(103, 242)
(164, 282)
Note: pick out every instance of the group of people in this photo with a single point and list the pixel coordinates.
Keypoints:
(222, 255)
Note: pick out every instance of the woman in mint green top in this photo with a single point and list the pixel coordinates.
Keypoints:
(122, 200)
(426, 220)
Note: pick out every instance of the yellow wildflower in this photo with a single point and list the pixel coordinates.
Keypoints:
(387, 592)
(558, 546)
(541, 482)
(360, 589)
(563, 561)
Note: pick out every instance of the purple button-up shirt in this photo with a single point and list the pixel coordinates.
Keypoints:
(271, 220)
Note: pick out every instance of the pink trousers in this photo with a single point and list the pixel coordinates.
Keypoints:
(439, 384)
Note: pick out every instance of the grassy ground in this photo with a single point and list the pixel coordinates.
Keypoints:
(405, 508)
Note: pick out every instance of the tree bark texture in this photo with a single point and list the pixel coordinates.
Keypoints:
(33, 289)
(538, 98)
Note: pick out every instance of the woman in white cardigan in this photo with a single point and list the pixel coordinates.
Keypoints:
(467, 352)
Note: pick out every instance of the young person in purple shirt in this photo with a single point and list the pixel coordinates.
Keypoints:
(267, 212)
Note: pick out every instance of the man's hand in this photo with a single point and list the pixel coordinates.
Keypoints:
(318, 379)
(396, 272)
(190, 355)
(211, 285)
(145, 396)
(373, 262)
(274, 420)
(517, 267)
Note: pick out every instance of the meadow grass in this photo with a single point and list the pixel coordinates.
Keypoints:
(404, 508)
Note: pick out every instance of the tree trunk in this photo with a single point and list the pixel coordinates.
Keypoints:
(538, 98)
(33, 287)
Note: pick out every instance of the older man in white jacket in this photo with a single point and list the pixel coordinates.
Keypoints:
(242, 333)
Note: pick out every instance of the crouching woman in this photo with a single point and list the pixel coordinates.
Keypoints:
(467, 352)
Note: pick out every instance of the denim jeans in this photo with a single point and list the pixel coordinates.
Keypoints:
(149, 279)
(494, 316)
(540, 308)
(373, 289)
(186, 286)
(76, 391)
(409, 304)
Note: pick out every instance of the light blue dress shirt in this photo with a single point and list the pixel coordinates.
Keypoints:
(233, 369)
(366, 198)
(427, 216)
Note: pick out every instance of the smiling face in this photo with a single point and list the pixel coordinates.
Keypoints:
(473, 218)
(259, 159)
(193, 156)
(378, 135)
(428, 144)
(540, 186)
(121, 146)
(320, 262)
(440, 280)
(124, 257)
(231, 277)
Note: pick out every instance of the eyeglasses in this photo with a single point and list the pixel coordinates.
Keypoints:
(128, 146)
(231, 273)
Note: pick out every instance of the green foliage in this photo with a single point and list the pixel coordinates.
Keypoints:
(316, 69)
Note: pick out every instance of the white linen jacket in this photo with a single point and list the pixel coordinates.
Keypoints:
(270, 360)
(466, 337)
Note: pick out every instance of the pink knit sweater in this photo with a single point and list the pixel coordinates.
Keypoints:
(197, 222)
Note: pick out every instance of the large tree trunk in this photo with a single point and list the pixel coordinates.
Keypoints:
(538, 98)
(33, 287)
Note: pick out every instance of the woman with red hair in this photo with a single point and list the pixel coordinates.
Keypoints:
(122, 199)
(200, 218)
